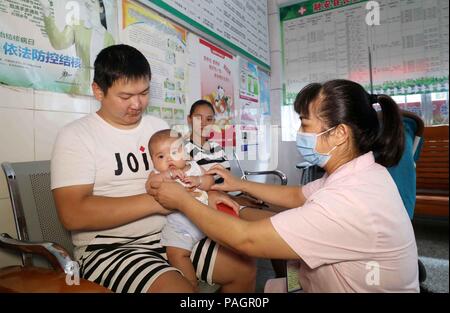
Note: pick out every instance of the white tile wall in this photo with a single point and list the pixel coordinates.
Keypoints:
(47, 125)
(276, 77)
(15, 97)
(16, 135)
(272, 6)
(274, 32)
(50, 101)
(276, 98)
(95, 105)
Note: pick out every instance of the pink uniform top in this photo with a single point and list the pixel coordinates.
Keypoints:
(353, 234)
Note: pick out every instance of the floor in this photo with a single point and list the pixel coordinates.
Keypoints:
(432, 240)
(433, 245)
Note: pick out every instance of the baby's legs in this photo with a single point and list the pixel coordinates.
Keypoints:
(171, 281)
(180, 258)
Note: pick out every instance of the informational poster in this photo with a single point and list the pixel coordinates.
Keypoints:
(321, 43)
(240, 24)
(164, 45)
(248, 81)
(154, 110)
(264, 98)
(216, 69)
(410, 48)
(249, 92)
(217, 72)
(51, 45)
(325, 40)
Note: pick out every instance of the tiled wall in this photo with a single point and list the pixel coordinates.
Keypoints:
(29, 122)
(287, 152)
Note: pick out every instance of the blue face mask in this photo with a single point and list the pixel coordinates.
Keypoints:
(306, 145)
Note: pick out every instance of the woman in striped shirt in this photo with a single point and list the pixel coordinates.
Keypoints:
(206, 153)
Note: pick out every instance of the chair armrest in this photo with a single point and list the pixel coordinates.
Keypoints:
(280, 174)
(54, 253)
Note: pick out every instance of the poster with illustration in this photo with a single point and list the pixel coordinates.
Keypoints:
(264, 98)
(216, 74)
(52, 45)
(167, 114)
(155, 111)
(249, 113)
(164, 44)
(217, 69)
(178, 115)
(248, 81)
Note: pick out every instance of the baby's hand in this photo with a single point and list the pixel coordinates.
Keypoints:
(192, 181)
(173, 174)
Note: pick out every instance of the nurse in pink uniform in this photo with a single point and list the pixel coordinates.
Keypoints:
(349, 229)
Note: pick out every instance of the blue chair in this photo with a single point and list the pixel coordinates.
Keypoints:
(404, 173)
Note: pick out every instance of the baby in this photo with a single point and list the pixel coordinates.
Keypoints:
(179, 234)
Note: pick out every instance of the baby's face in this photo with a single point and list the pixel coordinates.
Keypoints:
(168, 154)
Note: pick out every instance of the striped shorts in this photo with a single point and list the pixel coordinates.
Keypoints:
(132, 264)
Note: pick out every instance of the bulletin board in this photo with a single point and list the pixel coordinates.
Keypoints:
(324, 40)
(242, 25)
(50, 49)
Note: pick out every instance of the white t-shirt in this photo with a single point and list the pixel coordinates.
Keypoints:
(116, 161)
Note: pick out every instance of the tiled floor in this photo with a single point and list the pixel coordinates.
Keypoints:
(264, 273)
(432, 243)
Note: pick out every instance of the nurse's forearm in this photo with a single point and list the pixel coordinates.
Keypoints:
(252, 238)
(252, 214)
(284, 196)
(222, 228)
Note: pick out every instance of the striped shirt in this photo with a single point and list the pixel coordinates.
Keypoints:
(207, 156)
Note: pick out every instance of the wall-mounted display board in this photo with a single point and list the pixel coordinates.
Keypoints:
(165, 45)
(52, 45)
(241, 25)
(324, 40)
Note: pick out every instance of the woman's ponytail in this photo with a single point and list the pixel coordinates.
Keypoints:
(390, 142)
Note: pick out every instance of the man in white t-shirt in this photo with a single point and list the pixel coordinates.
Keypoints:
(99, 168)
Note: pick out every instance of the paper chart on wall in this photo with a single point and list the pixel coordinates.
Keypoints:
(240, 24)
(325, 40)
(51, 45)
(164, 44)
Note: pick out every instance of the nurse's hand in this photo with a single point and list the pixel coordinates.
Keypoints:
(217, 197)
(170, 195)
(230, 183)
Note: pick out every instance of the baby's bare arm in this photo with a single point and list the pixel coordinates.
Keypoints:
(206, 182)
(180, 258)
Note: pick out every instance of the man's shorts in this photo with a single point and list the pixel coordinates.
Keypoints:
(132, 264)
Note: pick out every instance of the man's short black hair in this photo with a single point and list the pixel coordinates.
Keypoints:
(119, 62)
